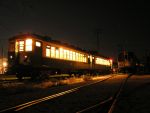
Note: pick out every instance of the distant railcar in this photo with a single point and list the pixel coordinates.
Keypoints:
(128, 62)
(38, 56)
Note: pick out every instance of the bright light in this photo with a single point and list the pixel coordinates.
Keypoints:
(48, 51)
(53, 52)
(38, 44)
(21, 45)
(61, 53)
(11, 57)
(57, 53)
(29, 45)
(4, 64)
(102, 61)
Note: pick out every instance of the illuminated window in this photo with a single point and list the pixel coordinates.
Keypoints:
(77, 56)
(48, 51)
(65, 54)
(29, 45)
(85, 58)
(53, 52)
(74, 56)
(70, 55)
(38, 44)
(16, 47)
(57, 53)
(21, 45)
(81, 57)
(102, 61)
(61, 53)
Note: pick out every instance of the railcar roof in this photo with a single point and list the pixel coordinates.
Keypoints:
(49, 39)
(44, 38)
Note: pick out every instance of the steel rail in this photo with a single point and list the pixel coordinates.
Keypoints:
(116, 97)
(108, 103)
(31, 103)
(96, 105)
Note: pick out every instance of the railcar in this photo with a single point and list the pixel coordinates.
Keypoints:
(38, 56)
(128, 62)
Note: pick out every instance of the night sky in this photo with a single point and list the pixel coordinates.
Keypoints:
(119, 24)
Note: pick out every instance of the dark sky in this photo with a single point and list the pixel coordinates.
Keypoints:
(120, 24)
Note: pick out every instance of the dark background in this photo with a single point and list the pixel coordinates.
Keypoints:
(121, 24)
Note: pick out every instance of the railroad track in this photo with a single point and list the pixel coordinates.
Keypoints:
(37, 101)
(106, 106)
(9, 82)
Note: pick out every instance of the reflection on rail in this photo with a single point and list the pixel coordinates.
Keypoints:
(106, 106)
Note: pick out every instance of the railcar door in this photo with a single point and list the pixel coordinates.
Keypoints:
(90, 61)
(37, 57)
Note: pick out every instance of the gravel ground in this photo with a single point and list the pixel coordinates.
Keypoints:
(136, 96)
(80, 99)
(12, 94)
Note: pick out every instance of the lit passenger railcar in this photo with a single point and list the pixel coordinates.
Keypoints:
(34, 55)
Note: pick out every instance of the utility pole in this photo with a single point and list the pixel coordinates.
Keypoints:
(98, 36)
(2, 61)
(98, 43)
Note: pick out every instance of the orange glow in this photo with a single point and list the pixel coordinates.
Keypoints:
(16, 46)
(4, 64)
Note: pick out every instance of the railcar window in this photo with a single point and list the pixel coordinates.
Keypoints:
(102, 61)
(48, 51)
(77, 56)
(16, 46)
(81, 57)
(29, 45)
(38, 44)
(61, 53)
(84, 58)
(21, 45)
(67, 54)
(53, 52)
(71, 55)
(57, 53)
(74, 56)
